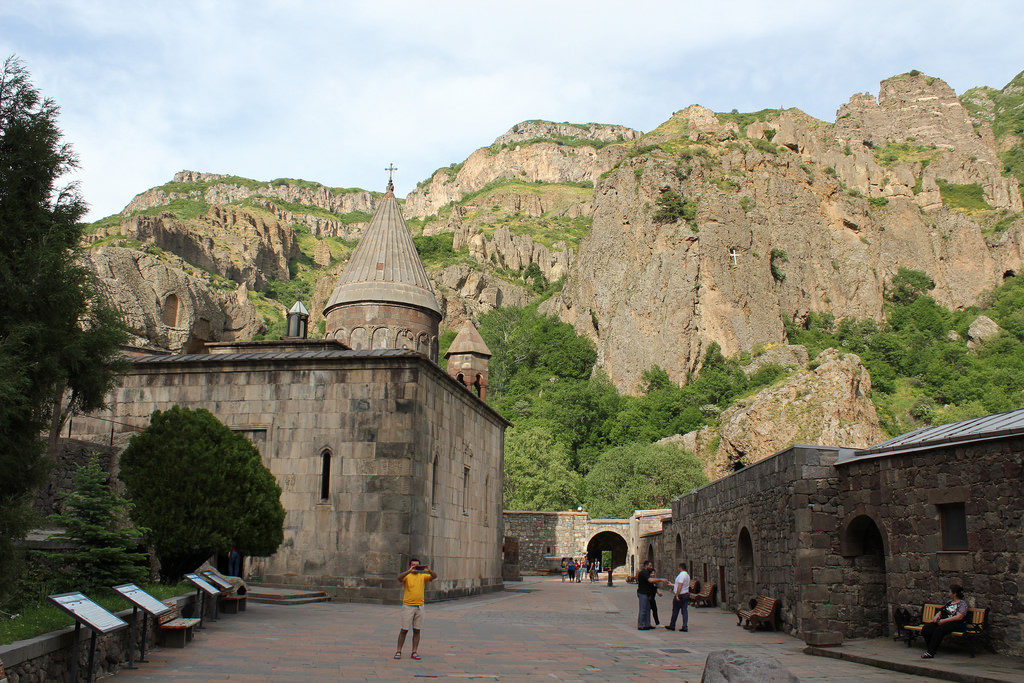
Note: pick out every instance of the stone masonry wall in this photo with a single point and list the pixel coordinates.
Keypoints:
(778, 501)
(901, 493)
(71, 455)
(383, 419)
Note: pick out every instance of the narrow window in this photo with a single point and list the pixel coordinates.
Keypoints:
(325, 475)
(954, 526)
(465, 490)
(487, 500)
(433, 484)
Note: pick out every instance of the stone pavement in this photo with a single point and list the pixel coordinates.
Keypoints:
(540, 629)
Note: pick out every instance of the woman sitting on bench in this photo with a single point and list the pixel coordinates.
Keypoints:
(950, 618)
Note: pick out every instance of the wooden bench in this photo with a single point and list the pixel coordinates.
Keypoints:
(707, 597)
(764, 612)
(974, 633)
(175, 630)
(232, 603)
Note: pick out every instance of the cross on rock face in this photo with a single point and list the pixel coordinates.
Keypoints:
(733, 254)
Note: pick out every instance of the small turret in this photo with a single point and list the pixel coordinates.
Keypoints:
(298, 321)
(468, 359)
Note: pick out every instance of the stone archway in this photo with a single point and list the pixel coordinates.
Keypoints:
(744, 566)
(863, 545)
(608, 540)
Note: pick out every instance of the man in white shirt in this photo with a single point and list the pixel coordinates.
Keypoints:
(680, 598)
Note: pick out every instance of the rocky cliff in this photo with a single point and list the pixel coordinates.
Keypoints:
(825, 403)
(710, 228)
(718, 227)
(167, 304)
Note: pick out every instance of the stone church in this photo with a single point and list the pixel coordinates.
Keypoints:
(381, 455)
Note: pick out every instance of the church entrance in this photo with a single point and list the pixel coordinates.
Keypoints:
(863, 546)
(608, 540)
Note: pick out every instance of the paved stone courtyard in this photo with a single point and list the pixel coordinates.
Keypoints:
(541, 629)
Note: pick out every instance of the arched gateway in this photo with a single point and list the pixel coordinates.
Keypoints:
(608, 540)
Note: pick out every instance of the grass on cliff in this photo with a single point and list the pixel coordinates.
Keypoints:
(744, 119)
(903, 152)
(181, 208)
(966, 197)
(1007, 118)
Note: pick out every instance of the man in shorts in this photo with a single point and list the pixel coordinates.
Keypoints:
(413, 581)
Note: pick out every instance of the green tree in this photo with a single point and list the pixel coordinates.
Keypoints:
(907, 285)
(640, 476)
(201, 489)
(538, 474)
(57, 335)
(96, 519)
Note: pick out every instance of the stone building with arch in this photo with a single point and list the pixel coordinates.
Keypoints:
(546, 537)
(381, 455)
(845, 537)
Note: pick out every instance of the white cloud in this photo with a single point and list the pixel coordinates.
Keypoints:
(334, 91)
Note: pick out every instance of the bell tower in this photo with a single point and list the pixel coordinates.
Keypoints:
(468, 359)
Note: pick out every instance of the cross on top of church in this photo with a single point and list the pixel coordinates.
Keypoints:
(391, 176)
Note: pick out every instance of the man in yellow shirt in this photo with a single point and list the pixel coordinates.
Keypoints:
(413, 581)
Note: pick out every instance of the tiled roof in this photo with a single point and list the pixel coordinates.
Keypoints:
(468, 341)
(979, 429)
(385, 267)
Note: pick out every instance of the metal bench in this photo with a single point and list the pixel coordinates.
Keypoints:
(764, 612)
(974, 633)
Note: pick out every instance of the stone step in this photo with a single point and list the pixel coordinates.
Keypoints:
(285, 596)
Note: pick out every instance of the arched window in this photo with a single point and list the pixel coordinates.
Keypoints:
(433, 483)
(325, 475)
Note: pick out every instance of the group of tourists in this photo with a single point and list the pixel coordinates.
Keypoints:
(573, 569)
(647, 593)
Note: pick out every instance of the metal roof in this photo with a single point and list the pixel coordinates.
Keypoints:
(385, 267)
(979, 429)
(272, 355)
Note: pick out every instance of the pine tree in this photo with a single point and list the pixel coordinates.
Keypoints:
(57, 335)
(96, 519)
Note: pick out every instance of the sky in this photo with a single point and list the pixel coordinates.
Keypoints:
(334, 91)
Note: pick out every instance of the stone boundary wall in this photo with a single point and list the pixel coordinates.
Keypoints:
(47, 657)
(901, 493)
(71, 454)
(776, 501)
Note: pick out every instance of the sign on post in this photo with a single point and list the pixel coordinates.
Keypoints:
(140, 599)
(87, 612)
(206, 591)
(212, 577)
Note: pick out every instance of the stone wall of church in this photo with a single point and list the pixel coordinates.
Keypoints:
(383, 422)
(902, 494)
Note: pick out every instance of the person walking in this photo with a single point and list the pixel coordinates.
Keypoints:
(950, 618)
(413, 581)
(680, 598)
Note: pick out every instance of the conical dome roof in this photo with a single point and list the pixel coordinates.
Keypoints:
(468, 340)
(385, 267)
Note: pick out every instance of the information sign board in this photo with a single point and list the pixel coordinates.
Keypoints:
(218, 581)
(88, 612)
(141, 598)
(202, 584)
